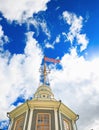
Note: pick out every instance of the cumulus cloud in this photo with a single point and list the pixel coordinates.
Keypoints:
(19, 75)
(77, 85)
(21, 10)
(76, 24)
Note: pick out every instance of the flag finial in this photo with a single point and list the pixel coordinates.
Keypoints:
(45, 70)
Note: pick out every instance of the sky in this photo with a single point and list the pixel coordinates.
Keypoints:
(61, 29)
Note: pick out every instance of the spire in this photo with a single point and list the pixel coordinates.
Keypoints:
(43, 92)
(44, 72)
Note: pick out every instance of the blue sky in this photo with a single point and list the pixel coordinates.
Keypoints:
(66, 30)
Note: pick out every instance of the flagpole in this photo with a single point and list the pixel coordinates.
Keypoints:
(44, 72)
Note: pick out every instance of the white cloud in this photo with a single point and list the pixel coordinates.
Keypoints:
(19, 75)
(76, 24)
(45, 29)
(3, 124)
(94, 125)
(77, 85)
(65, 36)
(39, 23)
(57, 39)
(3, 38)
(81, 38)
(21, 10)
(48, 45)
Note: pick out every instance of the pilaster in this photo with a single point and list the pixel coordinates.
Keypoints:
(60, 120)
(25, 121)
(56, 119)
(30, 119)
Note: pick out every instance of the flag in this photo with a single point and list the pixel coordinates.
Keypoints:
(51, 60)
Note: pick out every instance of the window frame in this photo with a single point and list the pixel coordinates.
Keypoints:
(42, 124)
(65, 121)
(20, 118)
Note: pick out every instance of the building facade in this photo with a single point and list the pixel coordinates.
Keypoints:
(43, 112)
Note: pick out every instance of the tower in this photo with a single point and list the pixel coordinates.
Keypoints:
(43, 112)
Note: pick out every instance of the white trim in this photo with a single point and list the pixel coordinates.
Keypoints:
(25, 120)
(56, 119)
(60, 120)
(43, 108)
(74, 125)
(30, 119)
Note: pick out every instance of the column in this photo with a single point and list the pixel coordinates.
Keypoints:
(74, 125)
(25, 119)
(30, 119)
(56, 119)
(60, 120)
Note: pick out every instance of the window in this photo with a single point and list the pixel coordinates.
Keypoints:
(43, 121)
(19, 123)
(66, 125)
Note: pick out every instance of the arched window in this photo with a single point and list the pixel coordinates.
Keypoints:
(19, 123)
(43, 121)
(66, 125)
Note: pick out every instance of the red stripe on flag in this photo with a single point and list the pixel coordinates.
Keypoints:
(51, 60)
